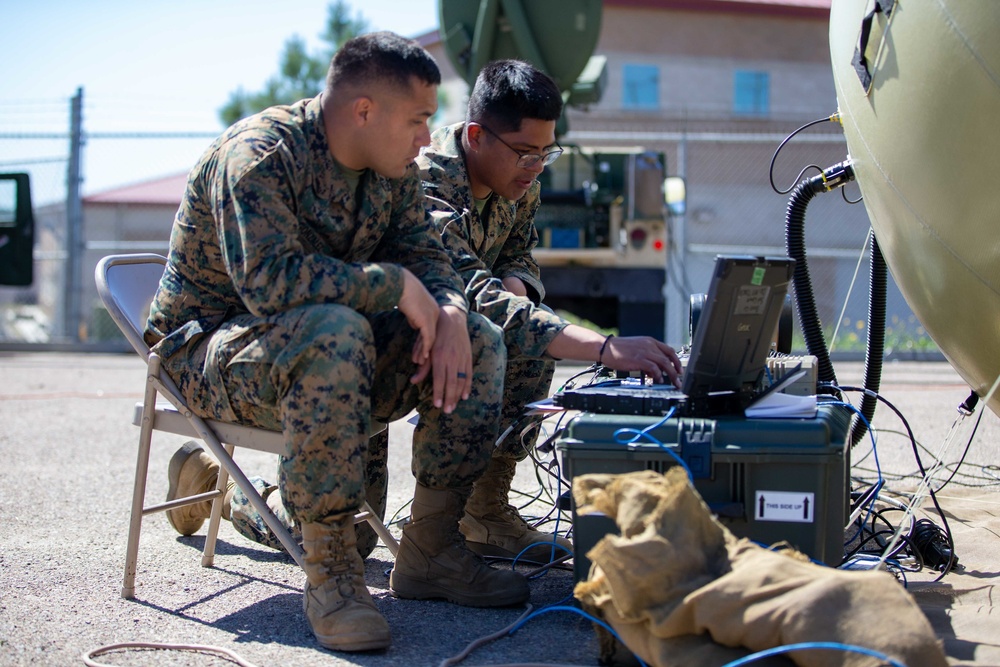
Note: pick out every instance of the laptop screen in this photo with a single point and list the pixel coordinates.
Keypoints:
(733, 334)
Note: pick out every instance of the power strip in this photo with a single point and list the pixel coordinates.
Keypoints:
(780, 365)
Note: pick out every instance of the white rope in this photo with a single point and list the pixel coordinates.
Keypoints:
(88, 658)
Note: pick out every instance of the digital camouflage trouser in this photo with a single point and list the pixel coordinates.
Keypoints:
(248, 521)
(319, 374)
(526, 381)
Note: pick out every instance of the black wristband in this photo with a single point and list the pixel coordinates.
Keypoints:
(600, 355)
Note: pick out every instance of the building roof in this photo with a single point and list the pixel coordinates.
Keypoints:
(158, 191)
(801, 8)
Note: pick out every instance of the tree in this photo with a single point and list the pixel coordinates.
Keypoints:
(300, 74)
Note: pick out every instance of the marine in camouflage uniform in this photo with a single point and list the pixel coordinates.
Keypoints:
(488, 244)
(282, 306)
(486, 247)
(480, 178)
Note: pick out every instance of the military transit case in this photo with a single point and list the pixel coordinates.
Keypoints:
(770, 480)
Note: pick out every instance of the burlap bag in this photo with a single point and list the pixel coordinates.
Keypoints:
(680, 589)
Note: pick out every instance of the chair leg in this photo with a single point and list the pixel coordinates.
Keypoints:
(368, 514)
(139, 490)
(219, 452)
(215, 519)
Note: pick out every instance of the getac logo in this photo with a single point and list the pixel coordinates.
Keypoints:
(743, 328)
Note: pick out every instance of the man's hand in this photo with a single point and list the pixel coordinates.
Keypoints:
(421, 311)
(632, 353)
(451, 358)
(642, 353)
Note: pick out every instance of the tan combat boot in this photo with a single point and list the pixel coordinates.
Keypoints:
(434, 561)
(336, 600)
(493, 527)
(192, 470)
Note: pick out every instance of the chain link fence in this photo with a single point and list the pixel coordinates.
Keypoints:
(731, 208)
(61, 307)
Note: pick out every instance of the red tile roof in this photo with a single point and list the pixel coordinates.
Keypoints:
(165, 190)
(805, 8)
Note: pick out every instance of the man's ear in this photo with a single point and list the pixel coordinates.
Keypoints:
(361, 110)
(474, 134)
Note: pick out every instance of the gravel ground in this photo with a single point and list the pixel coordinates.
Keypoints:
(68, 450)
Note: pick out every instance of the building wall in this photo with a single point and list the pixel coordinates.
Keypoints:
(726, 156)
(697, 55)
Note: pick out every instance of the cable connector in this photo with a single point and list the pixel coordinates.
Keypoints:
(833, 177)
(968, 406)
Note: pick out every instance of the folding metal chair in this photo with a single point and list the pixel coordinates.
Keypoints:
(126, 285)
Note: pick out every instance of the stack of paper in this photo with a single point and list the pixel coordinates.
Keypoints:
(776, 405)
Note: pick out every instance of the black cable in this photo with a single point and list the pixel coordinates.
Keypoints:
(835, 117)
(920, 464)
(966, 407)
(843, 193)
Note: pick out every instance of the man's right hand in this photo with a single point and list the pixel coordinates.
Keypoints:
(421, 311)
(631, 353)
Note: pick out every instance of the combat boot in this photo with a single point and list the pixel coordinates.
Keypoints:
(493, 527)
(192, 470)
(434, 561)
(336, 600)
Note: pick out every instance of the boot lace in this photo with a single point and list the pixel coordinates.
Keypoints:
(335, 563)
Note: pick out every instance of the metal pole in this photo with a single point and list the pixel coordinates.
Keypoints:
(74, 222)
(677, 303)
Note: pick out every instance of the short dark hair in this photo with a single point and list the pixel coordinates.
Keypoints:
(381, 57)
(508, 91)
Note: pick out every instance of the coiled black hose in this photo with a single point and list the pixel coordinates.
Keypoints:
(805, 301)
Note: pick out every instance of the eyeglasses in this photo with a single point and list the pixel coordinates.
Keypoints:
(528, 160)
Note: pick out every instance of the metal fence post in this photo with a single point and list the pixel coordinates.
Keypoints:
(74, 222)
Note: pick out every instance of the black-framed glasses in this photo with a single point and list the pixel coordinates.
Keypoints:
(528, 160)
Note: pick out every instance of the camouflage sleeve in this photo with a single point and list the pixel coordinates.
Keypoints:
(253, 194)
(515, 258)
(413, 241)
(528, 329)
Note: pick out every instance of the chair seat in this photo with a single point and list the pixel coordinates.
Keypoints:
(168, 418)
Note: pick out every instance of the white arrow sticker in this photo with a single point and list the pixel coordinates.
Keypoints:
(784, 506)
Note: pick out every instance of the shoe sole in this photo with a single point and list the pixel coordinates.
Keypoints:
(353, 644)
(408, 588)
(177, 462)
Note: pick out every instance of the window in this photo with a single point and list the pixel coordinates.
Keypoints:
(751, 94)
(640, 87)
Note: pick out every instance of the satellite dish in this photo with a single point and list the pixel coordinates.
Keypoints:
(918, 84)
(558, 38)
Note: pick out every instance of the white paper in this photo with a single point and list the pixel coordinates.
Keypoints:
(779, 405)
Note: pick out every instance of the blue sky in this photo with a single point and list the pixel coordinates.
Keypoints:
(149, 65)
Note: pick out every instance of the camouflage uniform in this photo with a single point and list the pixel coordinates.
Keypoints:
(276, 309)
(486, 248)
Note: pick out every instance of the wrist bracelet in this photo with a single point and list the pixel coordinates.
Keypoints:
(600, 355)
